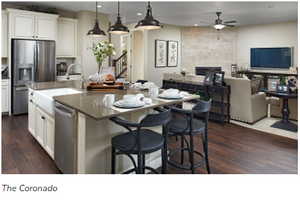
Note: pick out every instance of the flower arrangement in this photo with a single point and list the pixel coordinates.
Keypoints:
(101, 51)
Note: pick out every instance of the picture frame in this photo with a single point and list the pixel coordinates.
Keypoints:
(172, 53)
(161, 54)
(209, 78)
(219, 78)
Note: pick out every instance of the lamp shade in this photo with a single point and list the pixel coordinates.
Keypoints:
(96, 31)
(148, 23)
(118, 27)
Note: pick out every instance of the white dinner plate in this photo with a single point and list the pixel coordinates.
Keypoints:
(121, 104)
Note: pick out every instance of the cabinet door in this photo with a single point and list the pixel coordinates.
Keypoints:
(49, 136)
(4, 97)
(40, 126)
(4, 34)
(46, 27)
(23, 26)
(31, 117)
(67, 38)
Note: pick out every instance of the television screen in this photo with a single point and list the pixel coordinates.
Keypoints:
(271, 57)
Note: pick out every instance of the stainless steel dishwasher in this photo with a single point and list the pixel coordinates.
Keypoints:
(65, 154)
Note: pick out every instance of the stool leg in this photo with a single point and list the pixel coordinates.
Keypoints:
(144, 163)
(113, 160)
(182, 151)
(163, 161)
(139, 163)
(205, 148)
(191, 152)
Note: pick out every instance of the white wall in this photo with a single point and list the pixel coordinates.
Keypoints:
(86, 21)
(267, 35)
(167, 33)
(205, 46)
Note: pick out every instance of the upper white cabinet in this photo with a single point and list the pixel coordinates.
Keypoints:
(67, 37)
(4, 31)
(32, 25)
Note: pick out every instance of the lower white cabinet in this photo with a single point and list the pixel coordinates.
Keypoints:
(31, 117)
(41, 126)
(4, 95)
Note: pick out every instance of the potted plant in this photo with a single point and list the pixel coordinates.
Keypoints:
(101, 51)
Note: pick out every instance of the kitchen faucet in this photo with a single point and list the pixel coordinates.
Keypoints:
(69, 69)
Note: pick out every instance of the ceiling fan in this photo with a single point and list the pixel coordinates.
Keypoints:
(219, 24)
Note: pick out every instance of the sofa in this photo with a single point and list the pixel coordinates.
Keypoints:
(246, 106)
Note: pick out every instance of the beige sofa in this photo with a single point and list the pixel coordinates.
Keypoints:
(245, 107)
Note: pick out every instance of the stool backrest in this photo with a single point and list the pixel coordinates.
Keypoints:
(158, 119)
(202, 106)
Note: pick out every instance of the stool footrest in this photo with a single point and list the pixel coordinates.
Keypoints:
(182, 166)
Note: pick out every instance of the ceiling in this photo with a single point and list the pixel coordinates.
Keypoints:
(190, 13)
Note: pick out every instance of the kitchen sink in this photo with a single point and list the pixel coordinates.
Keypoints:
(44, 98)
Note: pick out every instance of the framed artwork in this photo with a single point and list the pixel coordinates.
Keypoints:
(219, 78)
(172, 53)
(161, 53)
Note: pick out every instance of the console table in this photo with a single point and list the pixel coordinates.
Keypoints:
(220, 96)
(265, 74)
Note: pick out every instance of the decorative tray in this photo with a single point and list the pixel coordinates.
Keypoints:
(101, 86)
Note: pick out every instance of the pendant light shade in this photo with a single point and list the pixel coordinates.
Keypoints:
(148, 23)
(96, 31)
(118, 27)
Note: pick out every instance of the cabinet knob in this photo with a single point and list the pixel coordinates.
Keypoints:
(31, 101)
(43, 117)
(31, 93)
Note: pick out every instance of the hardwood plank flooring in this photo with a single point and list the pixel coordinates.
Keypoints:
(232, 150)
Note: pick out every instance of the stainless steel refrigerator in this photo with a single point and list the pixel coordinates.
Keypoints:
(32, 61)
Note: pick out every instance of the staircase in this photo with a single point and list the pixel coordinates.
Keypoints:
(120, 65)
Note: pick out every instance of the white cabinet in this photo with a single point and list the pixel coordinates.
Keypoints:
(4, 34)
(32, 25)
(67, 37)
(45, 27)
(4, 95)
(45, 131)
(49, 136)
(40, 126)
(31, 113)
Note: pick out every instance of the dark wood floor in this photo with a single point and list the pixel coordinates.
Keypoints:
(233, 150)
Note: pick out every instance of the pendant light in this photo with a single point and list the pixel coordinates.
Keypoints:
(148, 23)
(118, 27)
(96, 31)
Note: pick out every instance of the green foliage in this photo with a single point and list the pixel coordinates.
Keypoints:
(102, 50)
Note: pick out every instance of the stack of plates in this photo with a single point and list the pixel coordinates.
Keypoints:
(128, 105)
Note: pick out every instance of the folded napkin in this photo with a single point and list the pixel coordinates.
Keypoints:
(170, 93)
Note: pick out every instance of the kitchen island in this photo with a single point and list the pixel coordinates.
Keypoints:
(83, 134)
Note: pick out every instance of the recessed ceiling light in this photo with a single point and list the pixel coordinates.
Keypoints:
(99, 6)
(139, 14)
(195, 25)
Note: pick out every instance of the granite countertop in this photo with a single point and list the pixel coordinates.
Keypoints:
(91, 103)
(53, 85)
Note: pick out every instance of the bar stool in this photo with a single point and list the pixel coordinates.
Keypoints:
(141, 141)
(184, 123)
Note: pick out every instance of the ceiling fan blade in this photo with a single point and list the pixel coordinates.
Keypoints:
(231, 21)
(229, 25)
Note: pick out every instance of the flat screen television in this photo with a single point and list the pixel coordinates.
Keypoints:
(279, 58)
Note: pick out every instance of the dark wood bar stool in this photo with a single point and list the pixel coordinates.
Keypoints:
(141, 141)
(183, 124)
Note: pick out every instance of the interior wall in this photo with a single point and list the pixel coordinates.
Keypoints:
(201, 47)
(138, 56)
(167, 33)
(205, 46)
(267, 35)
(86, 20)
